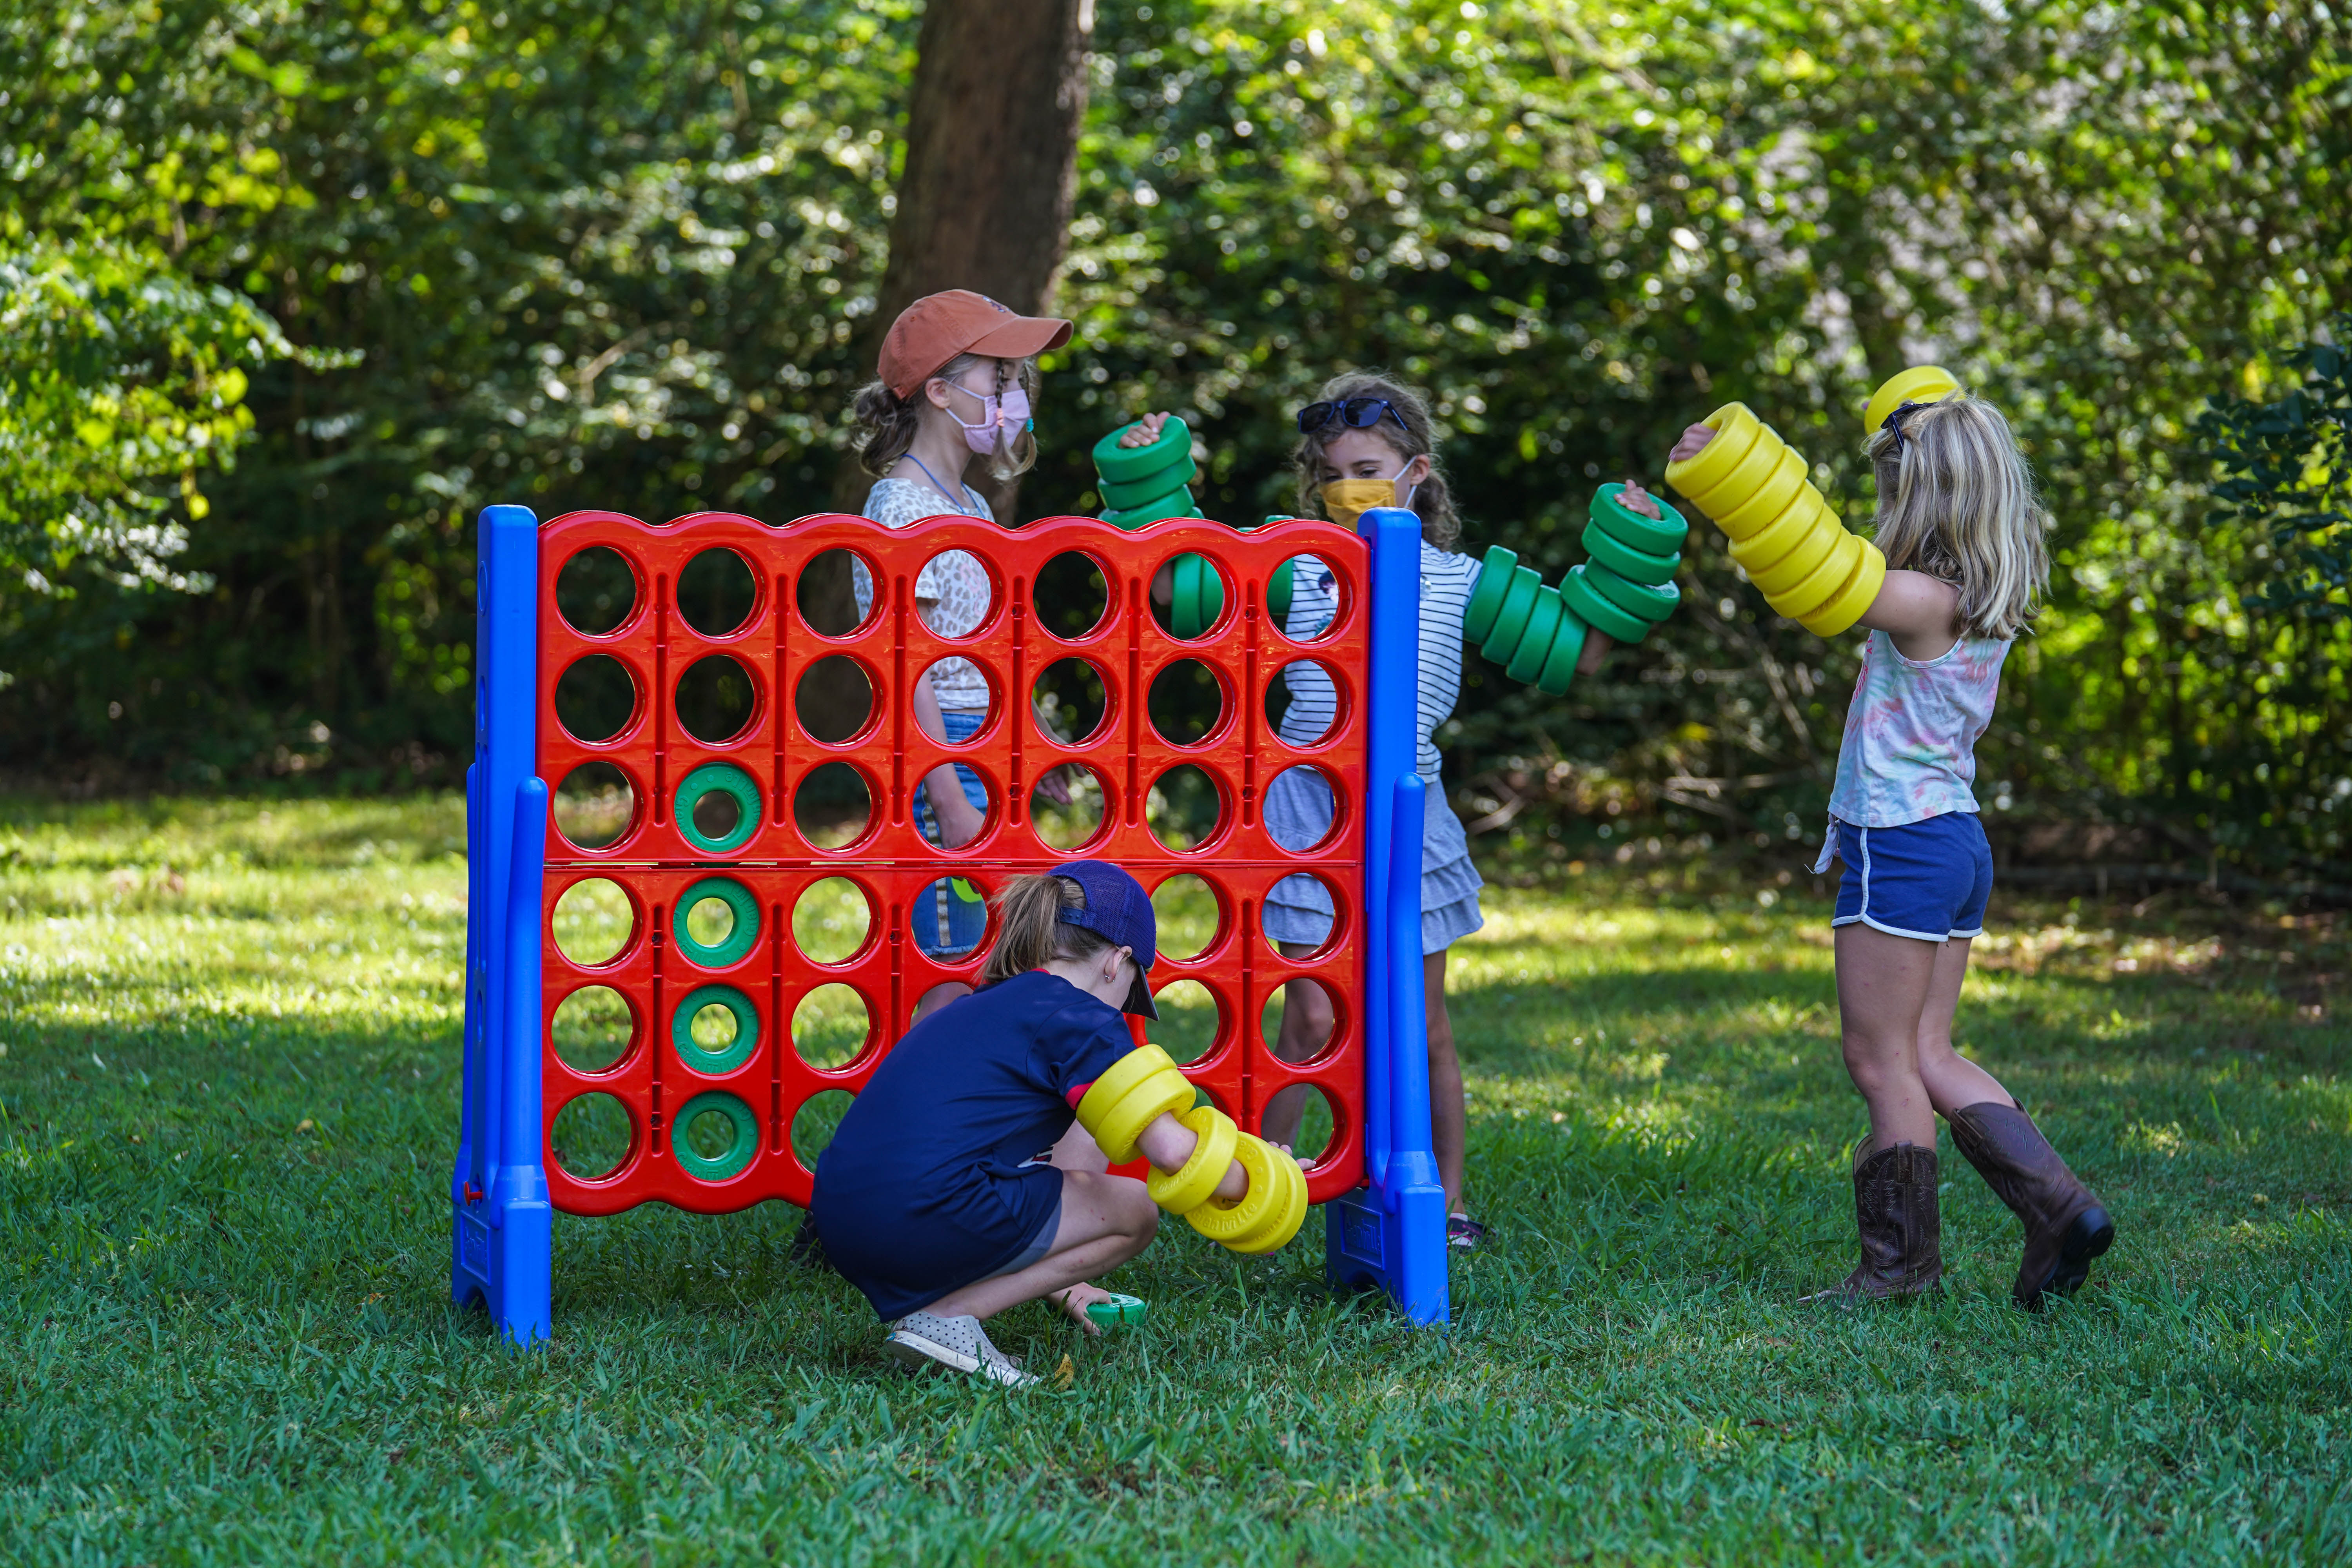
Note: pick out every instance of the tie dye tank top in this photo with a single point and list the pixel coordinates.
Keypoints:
(1909, 751)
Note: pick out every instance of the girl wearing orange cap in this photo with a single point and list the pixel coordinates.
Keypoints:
(957, 377)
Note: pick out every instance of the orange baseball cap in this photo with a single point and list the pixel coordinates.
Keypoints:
(938, 327)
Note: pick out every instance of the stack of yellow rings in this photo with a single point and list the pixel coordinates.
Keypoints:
(1270, 1213)
(1782, 532)
(1125, 1100)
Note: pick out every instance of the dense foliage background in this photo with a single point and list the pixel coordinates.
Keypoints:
(291, 290)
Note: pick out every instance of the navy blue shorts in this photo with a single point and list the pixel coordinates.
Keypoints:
(1924, 879)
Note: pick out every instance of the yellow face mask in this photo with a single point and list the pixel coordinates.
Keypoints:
(1347, 499)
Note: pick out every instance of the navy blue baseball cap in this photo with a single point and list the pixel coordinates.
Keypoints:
(1119, 912)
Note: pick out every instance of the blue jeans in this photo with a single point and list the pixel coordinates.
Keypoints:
(950, 916)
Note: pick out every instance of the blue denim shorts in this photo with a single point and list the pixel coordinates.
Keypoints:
(1928, 880)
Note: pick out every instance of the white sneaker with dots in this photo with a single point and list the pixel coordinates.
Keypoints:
(926, 1339)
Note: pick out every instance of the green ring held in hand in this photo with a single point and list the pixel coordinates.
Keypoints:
(1121, 495)
(703, 1059)
(739, 1151)
(1599, 613)
(723, 778)
(1124, 465)
(740, 939)
(1518, 601)
(1633, 565)
(1543, 624)
(1493, 582)
(1559, 665)
(1177, 502)
(1660, 535)
(1653, 602)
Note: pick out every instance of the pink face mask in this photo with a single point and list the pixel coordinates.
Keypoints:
(1009, 411)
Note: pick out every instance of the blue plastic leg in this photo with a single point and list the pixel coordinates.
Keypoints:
(523, 1236)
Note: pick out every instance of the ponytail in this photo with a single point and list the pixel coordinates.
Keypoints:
(1030, 933)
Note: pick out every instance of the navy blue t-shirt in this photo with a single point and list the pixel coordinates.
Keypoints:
(929, 1185)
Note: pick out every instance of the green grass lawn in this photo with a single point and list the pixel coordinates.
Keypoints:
(230, 1090)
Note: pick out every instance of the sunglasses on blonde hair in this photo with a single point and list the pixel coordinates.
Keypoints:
(1355, 413)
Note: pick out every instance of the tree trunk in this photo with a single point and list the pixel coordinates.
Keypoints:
(990, 169)
(983, 203)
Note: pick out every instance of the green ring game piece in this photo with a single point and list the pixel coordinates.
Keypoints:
(1661, 535)
(740, 941)
(1177, 502)
(1185, 618)
(1512, 618)
(1124, 465)
(1535, 644)
(1122, 495)
(1278, 589)
(1560, 664)
(1633, 565)
(1600, 613)
(1493, 582)
(721, 778)
(739, 1152)
(1653, 602)
(1118, 1312)
(726, 1059)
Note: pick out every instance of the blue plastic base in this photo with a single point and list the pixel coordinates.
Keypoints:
(509, 1267)
(1368, 1246)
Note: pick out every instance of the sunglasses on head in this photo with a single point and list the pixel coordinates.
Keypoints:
(1893, 425)
(1355, 413)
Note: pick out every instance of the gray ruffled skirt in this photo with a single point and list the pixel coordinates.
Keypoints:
(1299, 814)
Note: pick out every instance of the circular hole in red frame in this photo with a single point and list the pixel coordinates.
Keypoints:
(1072, 701)
(826, 593)
(718, 700)
(597, 592)
(593, 1030)
(833, 701)
(1318, 1018)
(1303, 809)
(595, 923)
(596, 699)
(1191, 1025)
(1305, 702)
(1190, 915)
(1069, 825)
(962, 593)
(833, 1026)
(718, 592)
(832, 921)
(1302, 917)
(595, 807)
(833, 807)
(1318, 601)
(1185, 809)
(593, 1138)
(1072, 596)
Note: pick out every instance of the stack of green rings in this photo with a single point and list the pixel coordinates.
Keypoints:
(1142, 484)
(1628, 585)
(1536, 632)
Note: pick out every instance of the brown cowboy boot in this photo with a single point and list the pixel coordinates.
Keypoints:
(2066, 1226)
(1902, 1238)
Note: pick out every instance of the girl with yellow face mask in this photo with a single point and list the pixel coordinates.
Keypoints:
(1364, 442)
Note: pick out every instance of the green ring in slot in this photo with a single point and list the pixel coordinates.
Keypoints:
(1512, 618)
(1124, 465)
(1535, 644)
(1633, 565)
(741, 940)
(1661, 535)
(700, 1057)
(1121, 494)
(739, 1151)
(1493, 582)
(1567, 648)
(1599, 613)
(1653, 602)
(720, 778)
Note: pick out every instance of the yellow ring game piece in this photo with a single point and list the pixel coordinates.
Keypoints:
(1771, 545)
(1123, 1123)
(1123, 1075)
(1288, 1213)
(1920, 383)
(1221, 1222)
(1800, 563)
(1853, 601)
(1772, 498)
(1746, 476)
(1735, 429)
(1189, 1188)
(1822, 584)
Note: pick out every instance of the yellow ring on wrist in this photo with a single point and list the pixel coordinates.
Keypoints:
(1183, 1191)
